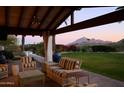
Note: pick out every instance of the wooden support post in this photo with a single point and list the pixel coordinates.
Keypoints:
(23, 43)
(54, 44)
(45, 38)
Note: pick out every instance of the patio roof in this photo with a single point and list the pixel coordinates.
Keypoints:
(32, 20)
(112, 17)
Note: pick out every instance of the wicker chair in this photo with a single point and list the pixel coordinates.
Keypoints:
(3, 70)
(65, 69)
(27, 63)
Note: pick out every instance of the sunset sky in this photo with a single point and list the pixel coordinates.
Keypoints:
(110, 32)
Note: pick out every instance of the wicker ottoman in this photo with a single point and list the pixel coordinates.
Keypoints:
(29, 76)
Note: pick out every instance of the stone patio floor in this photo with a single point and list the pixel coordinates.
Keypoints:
(100, 80)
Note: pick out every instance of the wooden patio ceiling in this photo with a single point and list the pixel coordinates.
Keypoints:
(32, 20)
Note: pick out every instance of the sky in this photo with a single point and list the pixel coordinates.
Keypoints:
(110, 32)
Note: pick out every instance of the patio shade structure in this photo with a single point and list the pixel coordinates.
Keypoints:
(32, 20)
(45, 20)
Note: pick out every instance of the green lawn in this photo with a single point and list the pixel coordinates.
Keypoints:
(108, 64)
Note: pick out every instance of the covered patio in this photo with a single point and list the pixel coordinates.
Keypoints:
(44, 21)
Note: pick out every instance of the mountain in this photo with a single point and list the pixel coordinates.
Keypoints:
(119, 45)
(86, 41)
(121, 42)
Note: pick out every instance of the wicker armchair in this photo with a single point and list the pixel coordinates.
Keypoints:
(27, 63)
(3, 70)
(65, 69)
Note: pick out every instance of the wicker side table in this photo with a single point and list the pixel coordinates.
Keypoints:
(77, 75)
(80, 74)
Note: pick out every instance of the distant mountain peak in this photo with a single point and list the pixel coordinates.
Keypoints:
(88, 41)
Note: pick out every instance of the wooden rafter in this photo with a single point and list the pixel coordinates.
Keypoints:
(6, 15)
(63, 19)
(115, 16)
(44, 17)
(55, 17)
(20, 16)
(34, 14)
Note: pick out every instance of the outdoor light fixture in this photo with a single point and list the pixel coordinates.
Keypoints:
(36, 20)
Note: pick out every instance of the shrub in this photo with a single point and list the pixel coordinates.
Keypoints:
(8, 54)
(102, 48)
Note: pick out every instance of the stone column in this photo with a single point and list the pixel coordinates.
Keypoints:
(50, 49)
(49, 41)
(54, 44)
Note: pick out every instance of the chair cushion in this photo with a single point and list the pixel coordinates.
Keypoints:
(2, 69)
(70, 64)
(59, 72)
(62, 62)
(29, 65)
(26, 59)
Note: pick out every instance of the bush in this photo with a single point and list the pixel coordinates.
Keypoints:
(102, 48)
(8, 54)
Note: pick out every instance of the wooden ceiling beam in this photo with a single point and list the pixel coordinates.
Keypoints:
(23, 31)
(55, 17)
(20, 16)
(64, 18)
(115, 16)
(10, 32)
(34, 14)
(6, 15)
(44, 17)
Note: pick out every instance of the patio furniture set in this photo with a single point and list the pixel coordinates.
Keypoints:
(61, 72)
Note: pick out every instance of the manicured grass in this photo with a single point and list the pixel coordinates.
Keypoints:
(108, 64)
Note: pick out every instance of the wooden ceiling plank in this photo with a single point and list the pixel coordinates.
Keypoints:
(6, 15)
(35, 13)
(55, 17)
(45, 16)
(20, 16)
(2, 16)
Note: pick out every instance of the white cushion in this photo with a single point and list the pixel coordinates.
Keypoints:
(1, 69)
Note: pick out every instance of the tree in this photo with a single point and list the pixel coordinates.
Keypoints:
(11, 40)
(103, 48)
(10, 44)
